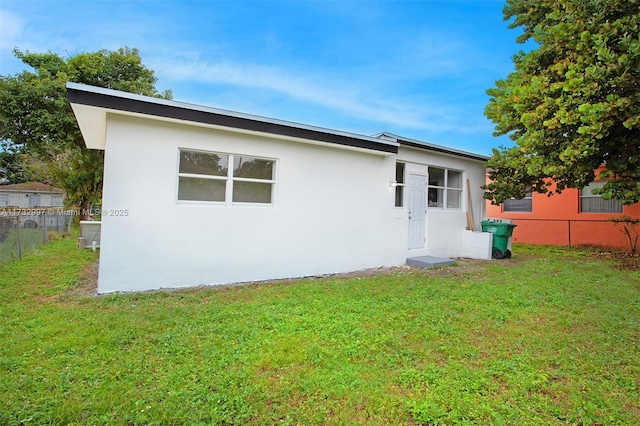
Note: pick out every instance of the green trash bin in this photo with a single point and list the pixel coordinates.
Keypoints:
(501, 234)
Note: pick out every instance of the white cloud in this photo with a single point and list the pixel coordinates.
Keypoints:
(353, 98)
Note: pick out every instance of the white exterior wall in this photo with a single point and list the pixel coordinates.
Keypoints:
(444, 233)
(476, 245)
(334, 212)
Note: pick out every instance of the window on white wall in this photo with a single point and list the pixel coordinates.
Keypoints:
(591, 203)
(252, 180)
(400, 167)
(4, 200)
(454, 189)
(225, 178)
(444, 188)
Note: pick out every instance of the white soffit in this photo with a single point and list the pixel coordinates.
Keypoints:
(93, 125)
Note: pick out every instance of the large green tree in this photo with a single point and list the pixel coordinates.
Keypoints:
(36, 119)
(12, 168)
(572, 103)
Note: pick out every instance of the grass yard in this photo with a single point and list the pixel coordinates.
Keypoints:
(551, 336)
(30, 239)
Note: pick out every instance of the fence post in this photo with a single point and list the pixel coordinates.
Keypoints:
(569, 224)
(45, 236)
(18, 242)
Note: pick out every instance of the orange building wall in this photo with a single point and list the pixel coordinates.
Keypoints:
(556, 220)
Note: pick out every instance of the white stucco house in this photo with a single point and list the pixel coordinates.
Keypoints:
(197, 196)
(31, 195)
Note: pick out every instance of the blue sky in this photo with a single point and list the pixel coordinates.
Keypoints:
(415, 68)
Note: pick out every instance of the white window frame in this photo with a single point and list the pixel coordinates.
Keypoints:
(445, 189)
(615, 205)
(229, 180)
(399, 186)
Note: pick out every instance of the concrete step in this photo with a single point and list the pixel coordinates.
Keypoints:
(428, 261)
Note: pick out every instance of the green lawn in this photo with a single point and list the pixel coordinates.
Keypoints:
(551, 336)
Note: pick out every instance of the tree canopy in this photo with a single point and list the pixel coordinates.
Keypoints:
(573, 103)
(36, 119)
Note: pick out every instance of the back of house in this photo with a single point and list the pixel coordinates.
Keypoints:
(197, 196)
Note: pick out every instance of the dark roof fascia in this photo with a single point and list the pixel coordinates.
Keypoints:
(443, 150)
(121, 101)
(436, 148)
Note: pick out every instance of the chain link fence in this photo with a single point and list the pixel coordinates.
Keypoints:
(23, 230)
(578, 233)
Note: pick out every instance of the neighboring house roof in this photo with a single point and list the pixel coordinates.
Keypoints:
(430, 147)
(92, 103)
(31, 187)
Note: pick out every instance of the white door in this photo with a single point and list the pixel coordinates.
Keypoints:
(417, 212)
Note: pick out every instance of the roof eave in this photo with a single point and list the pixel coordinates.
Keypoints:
(432, 147)
(91, 105)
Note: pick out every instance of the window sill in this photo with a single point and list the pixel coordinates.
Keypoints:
(224, 204)
(600, 213)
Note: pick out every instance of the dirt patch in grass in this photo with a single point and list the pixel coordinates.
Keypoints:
(627, 261)
(88, 282)
(461, 266)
